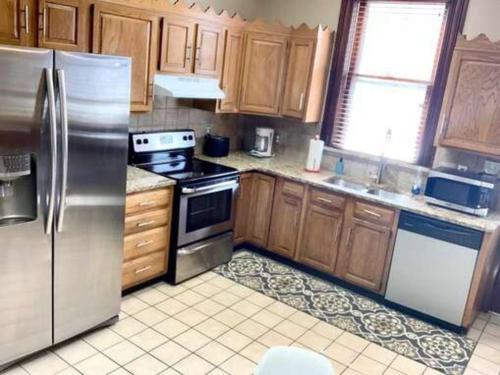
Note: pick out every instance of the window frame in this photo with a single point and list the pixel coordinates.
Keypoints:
(454, 26)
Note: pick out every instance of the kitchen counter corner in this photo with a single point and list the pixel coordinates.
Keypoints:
(140, 180)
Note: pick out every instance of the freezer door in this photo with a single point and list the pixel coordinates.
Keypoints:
(94, 95)
(25, 245)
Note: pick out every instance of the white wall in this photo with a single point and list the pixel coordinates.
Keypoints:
(483, 16)
(295, 12)
(248, 9)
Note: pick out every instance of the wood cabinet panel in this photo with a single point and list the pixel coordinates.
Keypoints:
(144, 268)
(209, 50)
(298, 76)
(374, 213)
(18, 22)
(471, 111)
(243, 203)
(148, 200)
(263, 73)
(143, 243)
(177, 40)
(146, 220)
(285, 220)
(321, 237)
(261, 208)
(64, 25)
(327, 199)
(231, 71)
(123, 31)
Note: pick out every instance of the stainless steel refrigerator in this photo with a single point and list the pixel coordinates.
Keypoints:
(63, 155)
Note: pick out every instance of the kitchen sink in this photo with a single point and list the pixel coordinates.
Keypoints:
(383, 192)
(337, 181)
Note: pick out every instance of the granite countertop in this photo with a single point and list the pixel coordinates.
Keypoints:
(295, 171)
(141, 180)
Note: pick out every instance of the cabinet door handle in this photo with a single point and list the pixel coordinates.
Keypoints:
(373, 213)
(143, 269)
(188, 55)
(324, 200)
(444, 126)
(144, 243)
(301, 102)
(145, 223)
(26, 12)
(348, 240)
(147, 203)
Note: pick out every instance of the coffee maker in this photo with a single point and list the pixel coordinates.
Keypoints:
(264, 138)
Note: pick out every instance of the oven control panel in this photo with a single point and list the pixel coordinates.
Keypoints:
(163, 141)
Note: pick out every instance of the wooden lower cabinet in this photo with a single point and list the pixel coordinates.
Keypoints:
(286, 218)
(147, 236)
(366, 251)
(260, 209)
(321, 231)
(243, 203)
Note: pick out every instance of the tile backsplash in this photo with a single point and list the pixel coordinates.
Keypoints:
(173, 114)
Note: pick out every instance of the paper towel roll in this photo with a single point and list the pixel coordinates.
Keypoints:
(315, 154)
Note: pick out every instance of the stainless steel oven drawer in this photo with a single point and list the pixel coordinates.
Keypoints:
(202, 256)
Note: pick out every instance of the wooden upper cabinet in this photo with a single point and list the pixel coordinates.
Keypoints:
(470, 119)
(18, 22)
(307, 73)
(63, 24)
(209, 49)
(243, 208)
(286, 218)
(367, 245)
(188, 46)
(263, 72)
(321, 231)
(123, 31)
(177, 41)
(260, 209)
(231, 71)
(297, 80)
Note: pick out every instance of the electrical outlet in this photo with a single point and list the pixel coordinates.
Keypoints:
(492, 167)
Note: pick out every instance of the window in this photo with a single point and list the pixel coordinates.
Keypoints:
(388, 76)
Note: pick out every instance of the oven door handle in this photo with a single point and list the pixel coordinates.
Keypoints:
(188, 191)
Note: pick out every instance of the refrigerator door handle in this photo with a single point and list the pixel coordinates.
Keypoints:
(53, 149)
(64, 148)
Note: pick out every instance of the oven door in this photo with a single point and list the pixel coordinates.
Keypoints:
(205, 211)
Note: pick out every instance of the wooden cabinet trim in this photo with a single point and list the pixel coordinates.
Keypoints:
(169, 47)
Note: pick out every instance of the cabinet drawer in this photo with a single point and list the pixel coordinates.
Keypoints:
(327, 199)
(146, 220)
(144, 268)
(374, 214)
(293, 188)
(149, 200)
(143, 243)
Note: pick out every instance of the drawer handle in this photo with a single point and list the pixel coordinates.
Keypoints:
(324, 200)
(373, 213)
(146, 223)
(144, 243)
(143, 269)
(147, 203)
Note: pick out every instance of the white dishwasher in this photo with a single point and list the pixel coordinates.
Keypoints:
(432, 266)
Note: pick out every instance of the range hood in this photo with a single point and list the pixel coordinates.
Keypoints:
(188, 87)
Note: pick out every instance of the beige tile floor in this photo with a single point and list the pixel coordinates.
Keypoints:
(212, 325)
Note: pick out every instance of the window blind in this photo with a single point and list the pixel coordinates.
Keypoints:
(388, 77)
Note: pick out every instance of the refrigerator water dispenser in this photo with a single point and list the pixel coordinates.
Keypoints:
(17, 189)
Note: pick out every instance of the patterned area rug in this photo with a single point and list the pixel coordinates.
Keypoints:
(440, 349)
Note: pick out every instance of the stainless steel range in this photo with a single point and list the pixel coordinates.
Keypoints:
(202, 225)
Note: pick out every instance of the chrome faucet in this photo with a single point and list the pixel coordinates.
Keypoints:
(383, 162)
